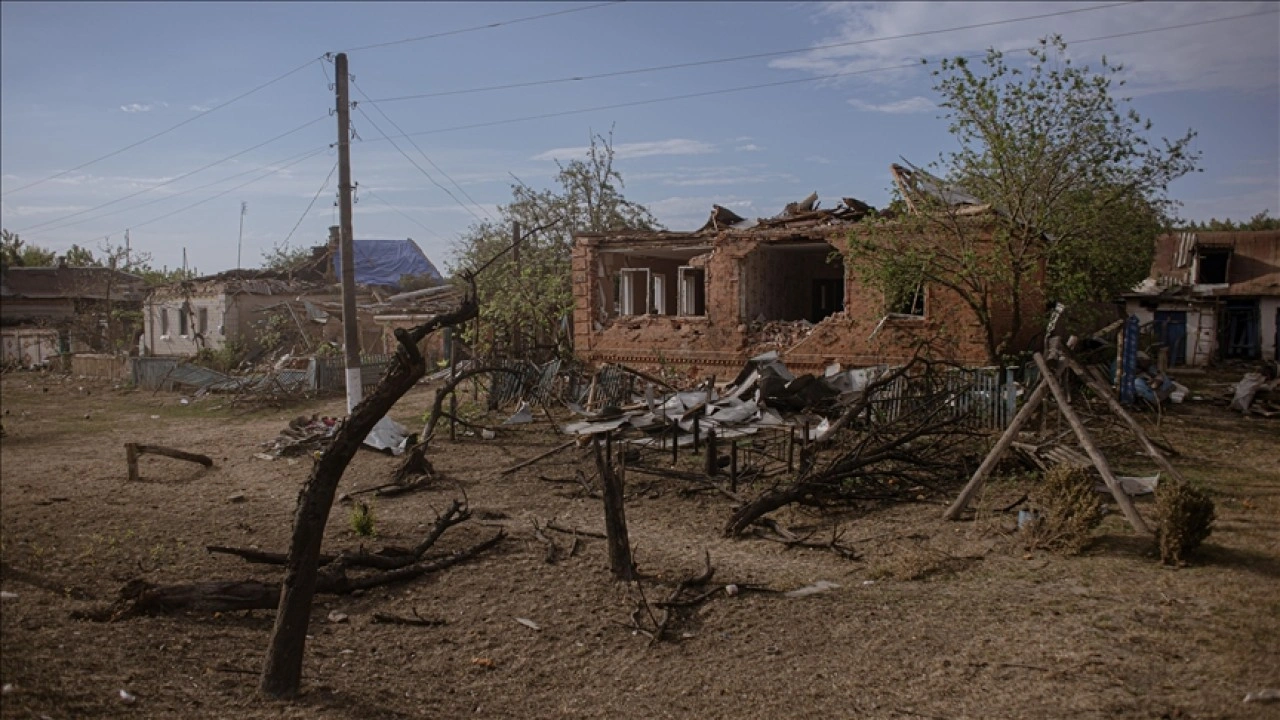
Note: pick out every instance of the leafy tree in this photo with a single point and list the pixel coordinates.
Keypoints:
(14, 252)
(1261, 221)
(285, 257)
(81, 257)
(527, 294)
(1079, 193)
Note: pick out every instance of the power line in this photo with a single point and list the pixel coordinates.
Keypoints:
(423, 153)
(311, 204)
(228, 190)
(483, 27)
(406, 216)
(416, 165)
(188, 191)
(752, 56)
(170, 181)
(797, 81)
(170, 129)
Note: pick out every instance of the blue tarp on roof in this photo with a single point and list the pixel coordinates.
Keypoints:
(383, 262)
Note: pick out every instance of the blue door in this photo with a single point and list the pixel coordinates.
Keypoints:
(1171, 328)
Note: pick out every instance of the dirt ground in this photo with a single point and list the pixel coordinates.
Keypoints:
(934, 620)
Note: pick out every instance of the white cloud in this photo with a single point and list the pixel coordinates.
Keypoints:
(675, 146)
(749, 147)
(915, 104)
(753, 174)
(143, 107)
(200, 108)
(29, 210)
(689, 213)
(1238, 54)
(819, 159)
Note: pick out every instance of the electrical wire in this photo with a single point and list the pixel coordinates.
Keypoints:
(752, 56)
(460, 31)
(188, 191)
(797, 81)
(311, 204)
(228, 191)
(172, 180)
(406, 216)
(164, 132)
(423, 153)
(416, 165)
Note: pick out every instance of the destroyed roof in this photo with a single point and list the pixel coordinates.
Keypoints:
(384, 262)
(254, 282)
(1254, 268)
(92, 283)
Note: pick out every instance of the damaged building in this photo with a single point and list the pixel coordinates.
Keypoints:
(1213, 296)
(707, 300)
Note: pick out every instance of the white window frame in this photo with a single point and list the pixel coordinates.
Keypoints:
(627, 290)
(687, 290)
(658, 295)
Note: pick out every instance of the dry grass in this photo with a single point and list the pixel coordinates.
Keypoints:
(1068, 511)
(1184, 519)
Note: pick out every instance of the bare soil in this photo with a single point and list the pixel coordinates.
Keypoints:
(935, 620)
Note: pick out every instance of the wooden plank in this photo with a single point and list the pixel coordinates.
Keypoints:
(1099, 460)
(1105, 393)
(993, 457)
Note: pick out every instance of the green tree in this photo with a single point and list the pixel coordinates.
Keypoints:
(526, 296)
(81, 257)
(285, 257)
(14, 252)
(1079, 193)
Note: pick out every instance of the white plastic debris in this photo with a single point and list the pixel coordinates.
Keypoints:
(6, 595)
(488, 434)
(127, 697)
(522, 415)
(388, 435)
(731, 590)
(6, 689)
(819, 587)
(1269, 695)
(528, 623)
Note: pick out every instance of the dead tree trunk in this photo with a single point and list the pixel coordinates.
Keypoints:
(615, 518)
(282, 669)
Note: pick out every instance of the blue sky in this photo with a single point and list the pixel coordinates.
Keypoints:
(80, 80)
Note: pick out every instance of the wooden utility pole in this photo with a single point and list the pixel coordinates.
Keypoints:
(346, 243)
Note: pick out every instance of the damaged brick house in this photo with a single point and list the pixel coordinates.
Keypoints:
(50, 311)
(710, 299)
(1213, 296)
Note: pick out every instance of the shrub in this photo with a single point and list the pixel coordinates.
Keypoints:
(1184, 518)
(1069, 510)
(362, 520)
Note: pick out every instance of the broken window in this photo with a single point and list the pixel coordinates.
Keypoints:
(650, 281)
(182, 322)
(692, 291)
(909, 302)
(164, 321)
(659, 295)
(1212, 267)
(633, 291)
(203, 320)
(792, 281)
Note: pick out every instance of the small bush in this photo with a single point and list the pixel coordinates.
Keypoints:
(1069, 510)
(362, 520)
(1184, 518)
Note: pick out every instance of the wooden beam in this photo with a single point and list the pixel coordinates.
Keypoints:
(1099, 460)
(135, 450)
(997, 452)
(1105, 393)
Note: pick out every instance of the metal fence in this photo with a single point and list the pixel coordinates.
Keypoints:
(982, 397)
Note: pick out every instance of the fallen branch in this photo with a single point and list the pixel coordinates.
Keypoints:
(389, 619)
(542, 456)
(135, 450)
